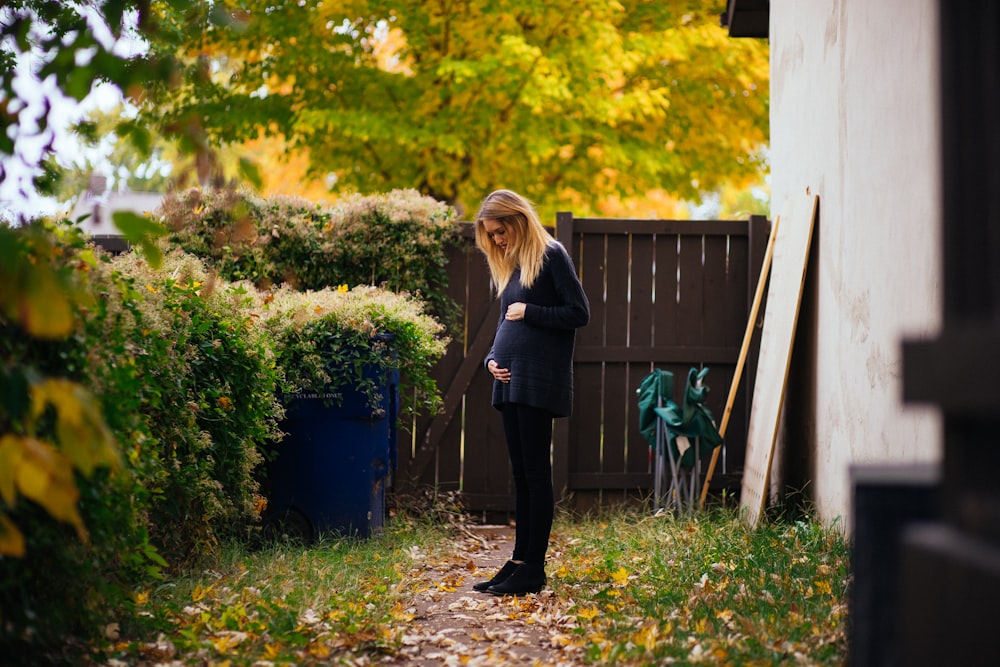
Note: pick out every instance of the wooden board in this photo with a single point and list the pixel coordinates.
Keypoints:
(788, 270)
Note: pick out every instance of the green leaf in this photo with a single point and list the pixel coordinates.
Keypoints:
(141, 231)
(22, 32)
(141, 137)
(79, 82)
(250, 170)
(151, 252)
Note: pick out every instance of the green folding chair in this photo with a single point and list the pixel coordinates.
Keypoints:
(679, 437)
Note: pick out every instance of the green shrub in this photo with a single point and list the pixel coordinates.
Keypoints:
(329, 338)
(244, 237)
(398, 240)
(66, 582)
(186, 384)
(210, 402)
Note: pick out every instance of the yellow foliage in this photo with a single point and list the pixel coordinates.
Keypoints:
(11, 539)
(43, 307)
(85, 440)
(32, 294)
(40, 472)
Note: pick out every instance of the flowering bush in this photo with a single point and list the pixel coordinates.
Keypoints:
(209, 398)
(328, 338)
(397, 240)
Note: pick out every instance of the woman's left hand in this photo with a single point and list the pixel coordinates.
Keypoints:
(515, 311)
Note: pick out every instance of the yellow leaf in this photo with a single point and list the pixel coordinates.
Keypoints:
(85, 439)
(43, 304)
(10, 455)
(589, 612)
(318, 650)
(199, 592)
(45, 476)
(620, 576)
(11, 539)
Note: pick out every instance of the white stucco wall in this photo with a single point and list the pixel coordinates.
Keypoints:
(854, 117)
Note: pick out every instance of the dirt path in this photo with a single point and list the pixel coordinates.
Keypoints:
(454, 625)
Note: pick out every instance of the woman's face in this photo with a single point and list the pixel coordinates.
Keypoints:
(500, 234)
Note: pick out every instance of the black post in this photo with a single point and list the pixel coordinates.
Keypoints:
(950, 576)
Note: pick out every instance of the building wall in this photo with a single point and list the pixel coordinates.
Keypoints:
(854, 118)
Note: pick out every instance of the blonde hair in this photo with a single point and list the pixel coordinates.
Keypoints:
(530, 238)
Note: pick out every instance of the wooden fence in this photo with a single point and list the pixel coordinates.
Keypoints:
(664, 294)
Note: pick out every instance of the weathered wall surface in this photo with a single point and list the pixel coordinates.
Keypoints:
(854, 118)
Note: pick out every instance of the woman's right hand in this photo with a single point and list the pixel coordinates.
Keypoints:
(501, 374)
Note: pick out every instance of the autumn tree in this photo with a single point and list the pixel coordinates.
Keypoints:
(568, 101)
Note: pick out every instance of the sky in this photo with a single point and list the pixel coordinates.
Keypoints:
(17, 194)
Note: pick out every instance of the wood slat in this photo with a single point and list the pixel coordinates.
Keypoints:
(599, 226)
(610, 481)
(690, 307)
(590, 354)
(586, 431)
(665, 313)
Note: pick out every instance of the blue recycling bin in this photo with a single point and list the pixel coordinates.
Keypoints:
(330, 471)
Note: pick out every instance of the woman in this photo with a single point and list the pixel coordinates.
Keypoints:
(542, 303)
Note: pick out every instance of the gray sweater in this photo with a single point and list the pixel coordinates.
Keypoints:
(538, 350)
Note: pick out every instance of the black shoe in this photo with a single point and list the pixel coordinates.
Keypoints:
(527, 578)
(498, 578)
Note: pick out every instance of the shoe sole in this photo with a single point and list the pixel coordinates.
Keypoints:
(514, 593)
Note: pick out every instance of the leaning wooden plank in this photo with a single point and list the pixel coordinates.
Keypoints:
(788, 270)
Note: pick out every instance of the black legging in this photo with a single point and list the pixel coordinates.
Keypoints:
(529, 435)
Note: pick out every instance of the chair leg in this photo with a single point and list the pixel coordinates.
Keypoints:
(658, 468)
(676, 487)
(695, 469)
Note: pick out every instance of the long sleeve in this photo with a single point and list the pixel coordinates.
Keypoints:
(572, 309)
(538, 350)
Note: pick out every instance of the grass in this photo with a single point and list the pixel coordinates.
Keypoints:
(284, 603)
(707, 589)
(641, 590)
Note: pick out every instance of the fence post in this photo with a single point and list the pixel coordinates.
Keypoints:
(560, 432)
